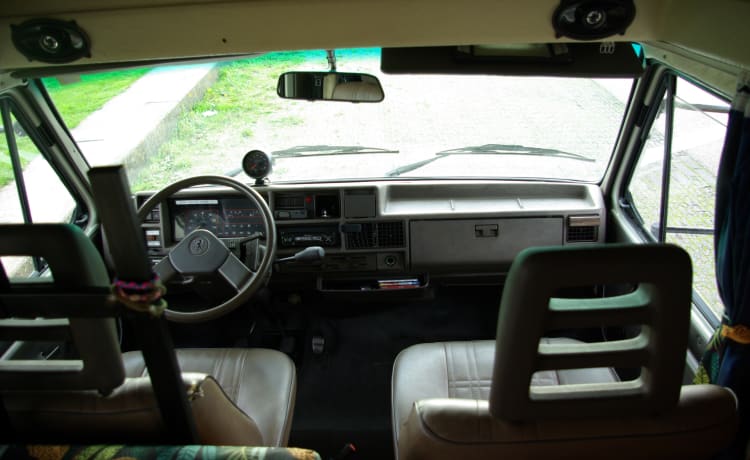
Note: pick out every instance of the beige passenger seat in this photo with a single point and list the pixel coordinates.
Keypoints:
(527, 396)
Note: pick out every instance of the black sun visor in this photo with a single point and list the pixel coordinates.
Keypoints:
(593, 60)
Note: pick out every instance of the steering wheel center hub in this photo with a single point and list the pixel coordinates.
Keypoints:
(199, 245)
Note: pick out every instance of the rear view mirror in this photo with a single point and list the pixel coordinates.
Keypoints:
(330, 86)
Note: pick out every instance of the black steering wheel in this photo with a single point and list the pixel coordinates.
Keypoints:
(203, 253)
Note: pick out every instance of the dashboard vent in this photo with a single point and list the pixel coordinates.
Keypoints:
(581, 234)
(391, 235)
(583, 229)
(377, 235)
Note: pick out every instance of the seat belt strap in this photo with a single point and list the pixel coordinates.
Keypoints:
(111, 194)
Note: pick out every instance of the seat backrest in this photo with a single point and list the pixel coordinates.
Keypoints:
(653, 416)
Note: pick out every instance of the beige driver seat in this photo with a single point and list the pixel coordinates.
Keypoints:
(526, 396)
(260, 382)
(237, 396)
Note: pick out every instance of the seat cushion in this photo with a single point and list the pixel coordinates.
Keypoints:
(262, 383)
(449, 429)
(129, 414)
(463, 370)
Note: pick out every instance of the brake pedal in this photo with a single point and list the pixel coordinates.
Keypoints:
(318, 344)
(287, 345)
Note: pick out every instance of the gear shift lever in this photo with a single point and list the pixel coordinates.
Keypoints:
(309, 254)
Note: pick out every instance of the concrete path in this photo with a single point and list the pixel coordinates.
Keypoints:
(133, 124)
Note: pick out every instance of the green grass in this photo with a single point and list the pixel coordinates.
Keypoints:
(244, 93)
(27, 151)
(75, 102)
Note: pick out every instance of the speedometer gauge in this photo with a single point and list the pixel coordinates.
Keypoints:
(257, 164)
(206, 219)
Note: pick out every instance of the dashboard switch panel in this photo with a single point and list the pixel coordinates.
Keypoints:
(153, 238)
(295, 237)
(300, 206)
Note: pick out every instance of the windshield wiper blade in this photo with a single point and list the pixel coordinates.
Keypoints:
(491, 149)
(323, 150)
(515, 149)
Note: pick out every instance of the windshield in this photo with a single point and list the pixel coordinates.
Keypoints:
(172, 122)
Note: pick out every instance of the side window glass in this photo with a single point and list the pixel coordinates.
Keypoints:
(700, 124)
(674, 190)
(30, 190)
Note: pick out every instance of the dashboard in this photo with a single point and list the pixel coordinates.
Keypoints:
(390, 234)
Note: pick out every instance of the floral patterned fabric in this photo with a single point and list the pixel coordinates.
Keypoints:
(123, 452)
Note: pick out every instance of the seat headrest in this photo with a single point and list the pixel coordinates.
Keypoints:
(70, 303)
(530, 307)
(72, 257)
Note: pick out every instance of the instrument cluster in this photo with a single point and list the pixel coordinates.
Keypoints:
(224, 217)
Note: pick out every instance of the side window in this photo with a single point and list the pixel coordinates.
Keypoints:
(673, 186)
(30, 190)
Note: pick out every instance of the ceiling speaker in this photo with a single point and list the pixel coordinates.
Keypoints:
(592, 19)
(51, 40)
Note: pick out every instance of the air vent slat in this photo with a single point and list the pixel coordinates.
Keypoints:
(582, 234)
(391, 234)
(583, 229)
(377, 235)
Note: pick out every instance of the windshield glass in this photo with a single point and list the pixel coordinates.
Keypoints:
(172, 122)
